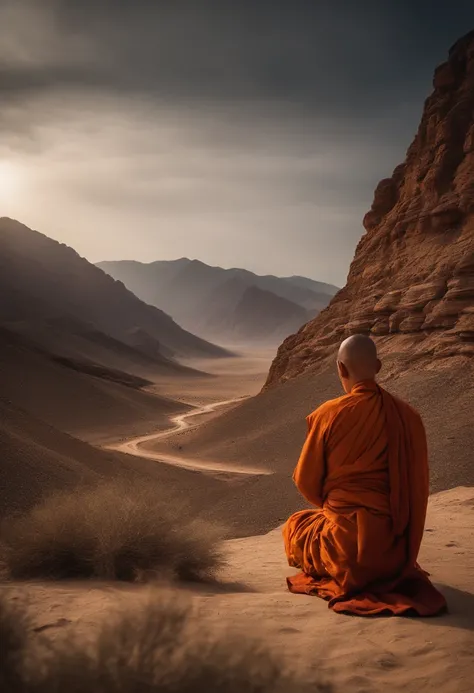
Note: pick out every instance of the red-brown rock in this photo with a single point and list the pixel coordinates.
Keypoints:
(411, 283)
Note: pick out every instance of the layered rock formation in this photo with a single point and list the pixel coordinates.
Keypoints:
(411, 283)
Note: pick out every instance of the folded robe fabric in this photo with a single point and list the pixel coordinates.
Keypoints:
(364, 465)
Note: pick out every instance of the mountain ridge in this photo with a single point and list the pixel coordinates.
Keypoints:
(191, 290)
(42, 280)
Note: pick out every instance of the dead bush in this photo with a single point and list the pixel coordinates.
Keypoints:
(162, 647)
(115, 531)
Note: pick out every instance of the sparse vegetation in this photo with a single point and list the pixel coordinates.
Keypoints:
(115, 531)
(159, 647)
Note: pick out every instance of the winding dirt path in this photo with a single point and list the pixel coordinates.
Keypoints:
(136, 446)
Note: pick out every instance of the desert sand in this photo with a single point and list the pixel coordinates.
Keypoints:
(36, 427)
(237, 379)
(238, 376)
(355, 654)
(181, 422)
(252, 501)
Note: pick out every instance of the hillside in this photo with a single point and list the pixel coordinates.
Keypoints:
(35, 458)
(78, 397)
(38, 459)
(46, 286)
(264, 317)
(411, 283)
(204, 299)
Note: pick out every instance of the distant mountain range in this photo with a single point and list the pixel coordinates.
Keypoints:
(226, 305)
(51, 295)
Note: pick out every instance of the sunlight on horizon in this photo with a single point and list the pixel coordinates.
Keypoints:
(12, 182)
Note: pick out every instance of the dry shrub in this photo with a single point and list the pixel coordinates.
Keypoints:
(115, 531)
(162, 647)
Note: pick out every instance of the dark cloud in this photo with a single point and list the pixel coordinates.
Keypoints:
(332, 57)
(268, 116)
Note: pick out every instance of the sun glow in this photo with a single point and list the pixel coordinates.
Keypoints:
(10, 181)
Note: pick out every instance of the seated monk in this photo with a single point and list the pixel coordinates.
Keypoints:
(364, 466)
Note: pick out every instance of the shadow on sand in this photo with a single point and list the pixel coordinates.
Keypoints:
(209, 586)
(460, 612)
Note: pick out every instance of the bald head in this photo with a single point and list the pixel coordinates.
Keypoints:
(357, 359)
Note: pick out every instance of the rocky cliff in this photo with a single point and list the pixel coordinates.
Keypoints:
(411, 283)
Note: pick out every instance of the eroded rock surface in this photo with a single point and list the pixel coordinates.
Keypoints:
(411, 283)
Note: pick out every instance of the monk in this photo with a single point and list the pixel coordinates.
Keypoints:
(364, 468)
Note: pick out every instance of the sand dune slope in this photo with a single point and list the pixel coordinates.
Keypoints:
(36, 458)
(75, 401)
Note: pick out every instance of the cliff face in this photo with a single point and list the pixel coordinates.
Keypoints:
(411, 283)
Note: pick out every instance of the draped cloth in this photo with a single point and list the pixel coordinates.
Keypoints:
(364, 466)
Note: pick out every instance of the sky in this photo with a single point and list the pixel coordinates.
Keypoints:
(245, 133)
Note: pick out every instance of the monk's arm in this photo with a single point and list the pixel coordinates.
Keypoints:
(311, 468)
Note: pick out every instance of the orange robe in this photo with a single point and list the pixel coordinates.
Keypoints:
(364, 466)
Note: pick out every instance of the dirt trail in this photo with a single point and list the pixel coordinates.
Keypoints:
(136, 446)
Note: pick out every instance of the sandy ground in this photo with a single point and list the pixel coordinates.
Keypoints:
(226, 383)
(140, 446)
(357, 655)
(242, 375)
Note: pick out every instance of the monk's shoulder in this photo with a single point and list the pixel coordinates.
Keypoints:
(328, 411)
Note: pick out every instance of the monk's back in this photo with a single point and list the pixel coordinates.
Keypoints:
(364, 469)
(357, 473)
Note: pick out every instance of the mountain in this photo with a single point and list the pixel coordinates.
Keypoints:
(411, 283)
(264, 317)
(312, 285)
(204, 299)
(52, 295)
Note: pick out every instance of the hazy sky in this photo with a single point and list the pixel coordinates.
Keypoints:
(242, 132)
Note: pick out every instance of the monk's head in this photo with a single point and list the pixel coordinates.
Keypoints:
(357, 360)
